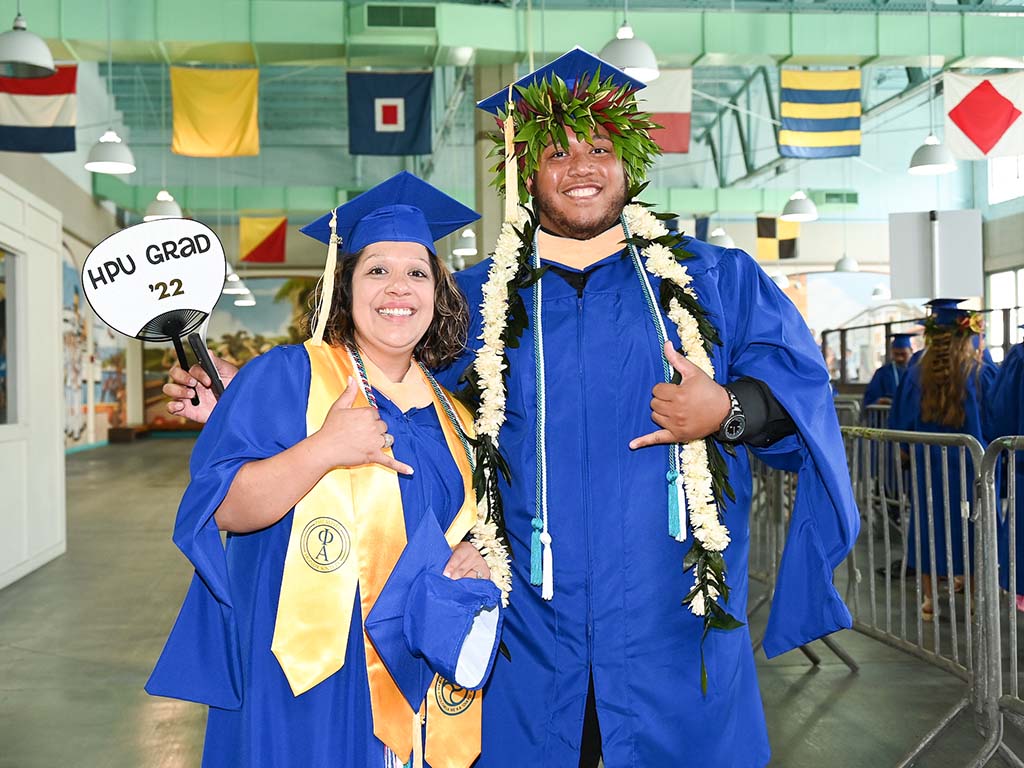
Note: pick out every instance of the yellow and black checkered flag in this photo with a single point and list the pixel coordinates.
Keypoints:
(776, 239)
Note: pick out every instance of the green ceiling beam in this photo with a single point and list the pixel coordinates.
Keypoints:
(336, 32)
(306, 202)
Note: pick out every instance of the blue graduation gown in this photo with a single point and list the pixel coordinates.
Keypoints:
(1004, 416)
(884, 383)
(219, 650)
(905, 414)
(618, 577)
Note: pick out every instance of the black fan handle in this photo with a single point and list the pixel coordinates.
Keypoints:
(179, 348)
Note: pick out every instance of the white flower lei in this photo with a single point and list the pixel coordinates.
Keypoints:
(695, 469)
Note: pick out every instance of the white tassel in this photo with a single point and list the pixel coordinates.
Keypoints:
(547, 588)
(681, 491)
(323, 308)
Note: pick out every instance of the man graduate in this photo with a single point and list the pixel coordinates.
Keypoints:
(627, 545)
(886, 380)
(621, 463)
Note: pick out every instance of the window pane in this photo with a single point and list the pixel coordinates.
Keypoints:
(1005, 179)
(6, 329)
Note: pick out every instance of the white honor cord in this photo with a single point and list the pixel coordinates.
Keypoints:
(547, 589)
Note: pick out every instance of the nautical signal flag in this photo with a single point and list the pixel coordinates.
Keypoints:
(820, 113)
(776, 239)
(669, 99)
(38, 114)
(983, 115)
(261, 239)
(216, 112)
(389, 114)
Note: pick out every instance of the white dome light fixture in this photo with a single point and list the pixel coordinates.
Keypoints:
(721, 238)
(162, 207)
(932, 158)
(781, 280)
(24, 54)
(110, 155)
(630, 54)
(466, 244)
(847, 264)
(799, 207)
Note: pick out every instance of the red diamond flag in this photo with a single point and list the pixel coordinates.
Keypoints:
(983, 115)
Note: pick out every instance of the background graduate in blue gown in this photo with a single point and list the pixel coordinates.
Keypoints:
(1004, 416)
(886, 380)
(256, 458)
(946, 392)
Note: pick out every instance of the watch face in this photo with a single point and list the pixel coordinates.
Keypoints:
(734, 427)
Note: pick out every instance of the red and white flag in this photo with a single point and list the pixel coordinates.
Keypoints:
(669, 99)
(983, 115)
(38, 114)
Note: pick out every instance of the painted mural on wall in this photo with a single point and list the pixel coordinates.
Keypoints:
(93, 356)
(236, 334)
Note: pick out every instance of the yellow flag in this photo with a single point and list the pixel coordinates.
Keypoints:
(215, 112)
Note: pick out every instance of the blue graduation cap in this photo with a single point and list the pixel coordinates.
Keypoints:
(424, 623)
(403, 209)
(571, 67)
(949, 315)
(902, 340)
(940, 304)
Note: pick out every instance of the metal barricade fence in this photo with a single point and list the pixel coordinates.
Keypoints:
(928, 534)
(847, 410)
(1003, 466)
(876, 416)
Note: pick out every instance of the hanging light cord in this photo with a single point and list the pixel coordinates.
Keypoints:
(110, 65)
(931, 87)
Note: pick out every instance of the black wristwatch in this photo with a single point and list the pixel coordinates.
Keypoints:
(735, 423)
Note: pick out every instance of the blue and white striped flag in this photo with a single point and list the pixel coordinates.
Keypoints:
(820, 113)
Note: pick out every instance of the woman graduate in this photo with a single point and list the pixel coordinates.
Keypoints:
(944, 392)
(320, 462)
(1003, 416)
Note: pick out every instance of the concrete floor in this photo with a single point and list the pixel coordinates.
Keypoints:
(78, 639)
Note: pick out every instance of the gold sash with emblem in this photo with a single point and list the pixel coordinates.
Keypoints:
(349, 532)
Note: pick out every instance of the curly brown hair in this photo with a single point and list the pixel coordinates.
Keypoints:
(949, 361)
(445, 338)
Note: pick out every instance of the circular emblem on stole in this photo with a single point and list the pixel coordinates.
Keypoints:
(452, 699)
(325, 544)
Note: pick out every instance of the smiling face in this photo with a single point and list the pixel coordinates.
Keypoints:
(580, 190)
(392, 299)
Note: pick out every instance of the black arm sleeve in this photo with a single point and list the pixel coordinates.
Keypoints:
(767, 420)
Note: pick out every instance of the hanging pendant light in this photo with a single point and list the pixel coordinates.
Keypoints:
(799, 207)
(630, 54)
(721, 238)
(110, 154)
(24, 54)
(847, 264)
(163, 206)
(932, 158)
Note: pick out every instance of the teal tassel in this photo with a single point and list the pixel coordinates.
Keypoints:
(536, 572)
(673, 504)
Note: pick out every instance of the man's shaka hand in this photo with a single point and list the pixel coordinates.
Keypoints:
(692, 409)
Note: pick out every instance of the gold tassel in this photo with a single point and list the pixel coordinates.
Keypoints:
(417, 739)
(511, 166)
(323, 307)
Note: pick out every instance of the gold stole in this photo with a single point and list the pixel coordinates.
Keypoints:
(580, 254)
(349, 531)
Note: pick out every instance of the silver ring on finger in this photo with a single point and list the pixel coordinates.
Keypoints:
(388, 441)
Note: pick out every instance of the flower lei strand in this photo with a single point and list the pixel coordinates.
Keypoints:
(702, 469)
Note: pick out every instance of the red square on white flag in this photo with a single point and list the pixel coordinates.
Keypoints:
(984, 115)
(389, 115)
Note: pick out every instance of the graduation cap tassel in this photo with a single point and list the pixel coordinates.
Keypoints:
(417, 740)
(511, 166)
(323, 307)
(681, 504)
